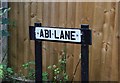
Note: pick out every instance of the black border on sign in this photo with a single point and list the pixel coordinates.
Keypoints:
(86, 33)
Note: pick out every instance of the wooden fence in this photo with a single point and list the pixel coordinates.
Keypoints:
(102, 18)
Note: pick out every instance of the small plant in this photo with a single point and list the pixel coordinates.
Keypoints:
(29, 66)
(8, 73)
(58, 70)
(44, 76)
(5, 72)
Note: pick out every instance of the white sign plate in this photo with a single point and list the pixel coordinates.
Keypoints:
(58, 34)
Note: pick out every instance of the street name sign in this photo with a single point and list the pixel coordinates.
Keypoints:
(81, 36)
(58, 34)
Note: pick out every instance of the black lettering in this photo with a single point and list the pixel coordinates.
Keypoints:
(61, 35)
(56, 36)
(46, 33)
(72, 36)
(67, 34)
(41, 33)
(50, 33)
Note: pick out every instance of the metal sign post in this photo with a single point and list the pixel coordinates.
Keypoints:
(38, 53)
(86, 40)
(67, 35)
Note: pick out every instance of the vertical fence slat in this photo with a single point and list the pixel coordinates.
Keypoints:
(119, 40)
(95, 56)
(39, 12)
(20, 34)
(62, 23)
(77, 54)
(33, 12)
(114, 71)
(26, 33)
(46, 45)
(90, 20)
(70, 47)
(12, 42)
(54, 23)
(107, 43)
(26, 30)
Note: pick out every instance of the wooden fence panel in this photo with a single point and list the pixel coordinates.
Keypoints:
(20, 35)
(13, 37)
(45, 22)
(95, 57)
(69, 52)
(26, 32)
(102, 18)
(119, 39)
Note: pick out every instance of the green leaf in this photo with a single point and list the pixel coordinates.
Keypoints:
(9, 70)
(1, 66)
(5, 33)
(45, 76)
(49, 67)
(4, 10)
(4, 20)
(1, 74)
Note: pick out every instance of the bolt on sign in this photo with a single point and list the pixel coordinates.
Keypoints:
(60, 34)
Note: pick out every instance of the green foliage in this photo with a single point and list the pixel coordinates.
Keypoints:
(31, 71)
(45, 76)
(4, 21)
(4, 33)
(7, 21)
(5, 72)
(8, 73)
(4, 10)
(59, 70)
